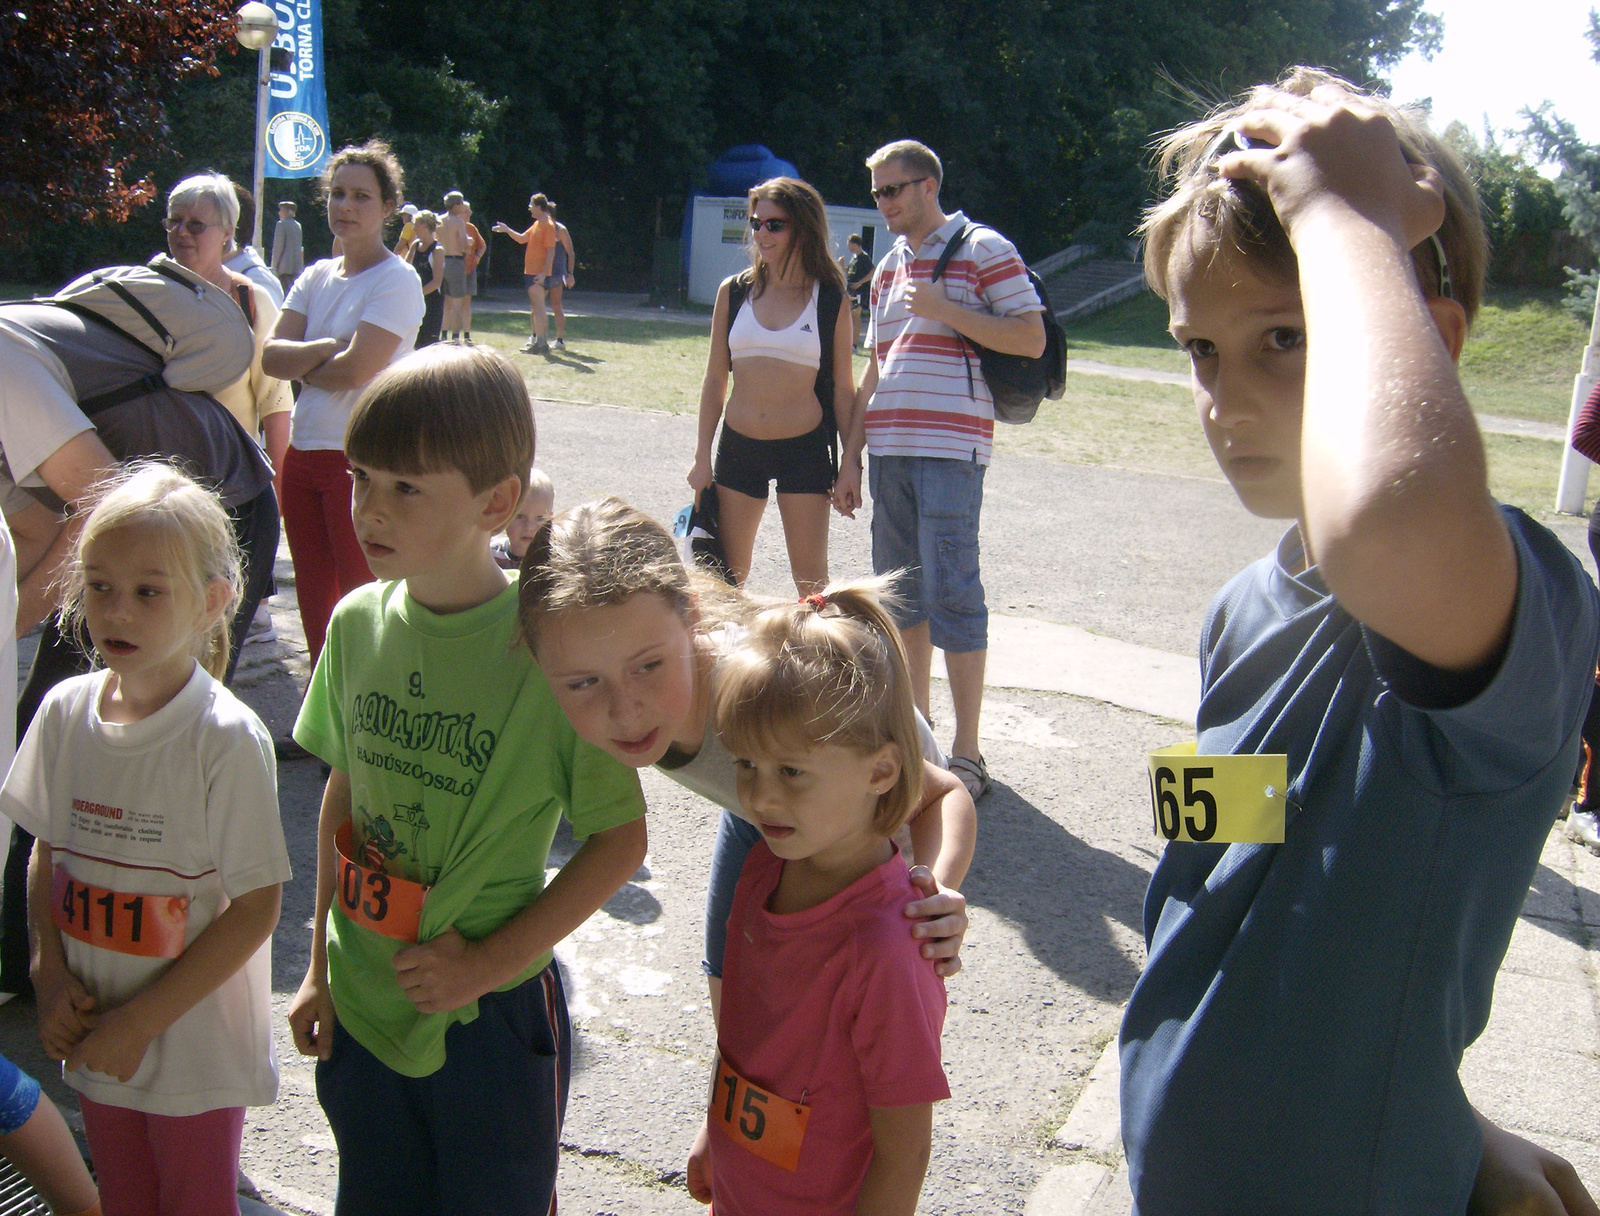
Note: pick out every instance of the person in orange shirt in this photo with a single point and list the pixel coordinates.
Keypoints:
(476, 248)
(540, 239)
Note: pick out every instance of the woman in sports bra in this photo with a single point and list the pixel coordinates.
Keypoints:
(780, 329)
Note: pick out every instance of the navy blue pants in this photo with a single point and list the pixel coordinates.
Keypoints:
(480, 1137)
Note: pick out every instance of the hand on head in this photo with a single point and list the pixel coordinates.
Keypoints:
(1331, 154)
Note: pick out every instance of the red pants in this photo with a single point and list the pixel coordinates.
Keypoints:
(328, 562)
(164, 1165)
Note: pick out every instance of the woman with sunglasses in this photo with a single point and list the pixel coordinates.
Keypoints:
(781, 332)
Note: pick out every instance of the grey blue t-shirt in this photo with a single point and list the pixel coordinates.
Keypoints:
(1293, 1043)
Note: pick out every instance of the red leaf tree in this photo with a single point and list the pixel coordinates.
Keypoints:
(82, 85)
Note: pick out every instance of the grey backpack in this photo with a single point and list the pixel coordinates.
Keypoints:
(193, 326)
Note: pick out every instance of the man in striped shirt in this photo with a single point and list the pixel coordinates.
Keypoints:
(925, 414)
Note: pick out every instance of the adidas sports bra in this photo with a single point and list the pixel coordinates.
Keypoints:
(799, 343)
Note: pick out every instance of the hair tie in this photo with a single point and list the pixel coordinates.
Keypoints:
(817, 601)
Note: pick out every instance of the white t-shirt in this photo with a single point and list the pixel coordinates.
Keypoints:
(388, 295)
(248, 263)
(38, 406)
(184, 803)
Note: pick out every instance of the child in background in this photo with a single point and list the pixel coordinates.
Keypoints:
(441, 1028)
(533, 512)
(629, 639)
(159, 862)
(1423, 656)
(828, 1045)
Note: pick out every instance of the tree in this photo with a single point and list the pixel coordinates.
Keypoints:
(1578, 185)
(1521, 210)
(81, 90)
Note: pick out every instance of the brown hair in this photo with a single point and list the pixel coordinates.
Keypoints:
(376, 155)
(1215, 212)
(601, 553)
(808, 228)
(194, 530)
(830, 669)
(446, 407)
(920, 159)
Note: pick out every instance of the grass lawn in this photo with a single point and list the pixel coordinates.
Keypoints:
(1518, 363)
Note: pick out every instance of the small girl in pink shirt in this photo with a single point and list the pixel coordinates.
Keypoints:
(828, 1055)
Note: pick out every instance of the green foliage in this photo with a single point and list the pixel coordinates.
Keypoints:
(1521, 209)
(1041, 109)
(1578, 186)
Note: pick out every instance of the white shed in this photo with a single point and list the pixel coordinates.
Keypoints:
(717, 239)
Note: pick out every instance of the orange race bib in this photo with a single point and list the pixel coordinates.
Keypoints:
(770, 1127)
(375, 900)
(150, 926)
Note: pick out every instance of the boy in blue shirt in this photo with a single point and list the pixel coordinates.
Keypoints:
(431, 1001)
(1422, 655)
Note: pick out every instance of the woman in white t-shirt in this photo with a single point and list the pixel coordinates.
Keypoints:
(345, 320)
(159, 863)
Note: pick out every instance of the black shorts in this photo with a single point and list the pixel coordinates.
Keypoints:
(802, 464)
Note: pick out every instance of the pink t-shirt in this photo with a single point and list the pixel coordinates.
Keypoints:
(835, 1007)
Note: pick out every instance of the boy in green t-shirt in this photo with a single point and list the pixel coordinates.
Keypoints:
(439, 1023)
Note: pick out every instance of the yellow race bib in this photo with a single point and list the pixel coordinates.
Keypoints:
(1217, 799)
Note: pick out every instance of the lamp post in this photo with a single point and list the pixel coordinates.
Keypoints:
(258, 29)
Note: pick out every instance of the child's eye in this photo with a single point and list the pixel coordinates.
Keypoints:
(743, 765)
(1285, 337)
(405, 487)
(580, 685)
(645, 669)
(98, 588)
(149, 593)
(1201, 348)
(358, 474)
(789, 770)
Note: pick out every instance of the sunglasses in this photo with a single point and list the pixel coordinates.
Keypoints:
(772, 226)
(893, 191)
(193, 227)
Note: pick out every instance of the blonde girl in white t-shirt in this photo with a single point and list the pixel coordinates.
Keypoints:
(158, 869)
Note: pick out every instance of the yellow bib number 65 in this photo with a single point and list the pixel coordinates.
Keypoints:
(1223, 799)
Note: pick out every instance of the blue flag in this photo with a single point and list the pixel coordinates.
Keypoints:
(297, 111)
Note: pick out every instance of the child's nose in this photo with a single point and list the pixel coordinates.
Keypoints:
(1234, 397)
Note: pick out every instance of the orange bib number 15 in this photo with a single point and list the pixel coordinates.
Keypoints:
(1221, 799)
(767, 1125)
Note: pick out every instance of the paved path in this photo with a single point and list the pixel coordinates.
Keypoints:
(1099, 579)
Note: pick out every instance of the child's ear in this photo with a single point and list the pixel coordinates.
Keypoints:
(218, 593)
(885, 772)
(500, 503)
(1451, 321)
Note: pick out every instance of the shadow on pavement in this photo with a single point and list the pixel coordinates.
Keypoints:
(1060, 892)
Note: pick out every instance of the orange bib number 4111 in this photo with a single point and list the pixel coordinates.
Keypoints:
(769, 1126)
(374, 900)
(149, 926)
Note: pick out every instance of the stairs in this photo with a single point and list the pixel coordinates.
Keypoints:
(1086, 285)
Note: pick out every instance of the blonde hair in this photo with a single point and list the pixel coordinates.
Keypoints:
(446, 407)
(539, 483)
(830, 669)
(1215, 212)
(916, 157)
(601, 553)
(194, 530)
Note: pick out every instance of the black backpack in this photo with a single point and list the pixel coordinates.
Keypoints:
(1016, 382)
(829, 301)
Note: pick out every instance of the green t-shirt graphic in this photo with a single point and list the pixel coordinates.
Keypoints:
(460, 765)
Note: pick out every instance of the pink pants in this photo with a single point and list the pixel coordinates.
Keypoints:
(328, 562)
(164, 1165)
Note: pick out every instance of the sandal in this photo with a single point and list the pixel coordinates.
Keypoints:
(974, 774)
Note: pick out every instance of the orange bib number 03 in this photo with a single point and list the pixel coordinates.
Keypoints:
(375, 900)
(1218, 799)
(767, 1125)
(149, 926)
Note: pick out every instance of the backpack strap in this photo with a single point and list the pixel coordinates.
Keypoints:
(952, 246)
(247, 303)
(133, 302)
(738, 292)
(830, 302)
(141, 387)
(89, 314)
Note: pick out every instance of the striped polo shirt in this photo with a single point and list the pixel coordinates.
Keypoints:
(924, 405)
